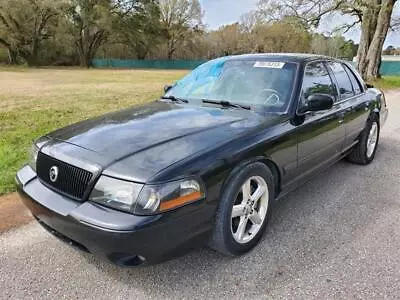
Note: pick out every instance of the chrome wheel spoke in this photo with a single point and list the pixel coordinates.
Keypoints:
(373, 130)
(255, 218)
(246, 190)
(238, 210)
(241, 228)
(257, 194)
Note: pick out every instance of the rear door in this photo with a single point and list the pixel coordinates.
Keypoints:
(354, 108)
(321, 135)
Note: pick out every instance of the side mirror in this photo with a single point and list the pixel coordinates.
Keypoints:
(167, 88)
(369, 86)
(317, 102)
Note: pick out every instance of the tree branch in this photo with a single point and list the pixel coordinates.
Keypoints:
(347, 27)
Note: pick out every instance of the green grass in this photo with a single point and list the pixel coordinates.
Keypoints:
(36, 101)
(387, 82)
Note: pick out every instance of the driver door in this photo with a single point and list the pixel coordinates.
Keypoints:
(321, 135)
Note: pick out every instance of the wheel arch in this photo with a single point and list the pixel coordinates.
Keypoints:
(375, 114)
(261, 159)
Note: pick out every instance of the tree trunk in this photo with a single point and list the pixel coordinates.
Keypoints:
(29, 57)
(375, 24)
(171, 47)
(12, 57)
(12, 54)
(375, 50)
(82, 52)
(368, 27)
(32, 58)
(83, 61)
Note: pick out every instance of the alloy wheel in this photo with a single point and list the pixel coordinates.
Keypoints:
(372, 139)
(249, 209)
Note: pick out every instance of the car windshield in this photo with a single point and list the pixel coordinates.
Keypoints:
(254, 82)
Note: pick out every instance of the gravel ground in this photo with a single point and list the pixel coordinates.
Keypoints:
(336, 237)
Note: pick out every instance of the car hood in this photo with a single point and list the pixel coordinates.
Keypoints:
(136, 143)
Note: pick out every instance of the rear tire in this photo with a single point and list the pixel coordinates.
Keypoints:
(243, 210)
(364, 152)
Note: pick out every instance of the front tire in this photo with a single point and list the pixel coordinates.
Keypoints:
(364, 151)
(243, 211)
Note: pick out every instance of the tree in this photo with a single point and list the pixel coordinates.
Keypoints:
(336, 46)
(226, 40)
(373, 16)
(24, 24)
(281, 36)
(89, 22)
(179, 18)
(141, 29)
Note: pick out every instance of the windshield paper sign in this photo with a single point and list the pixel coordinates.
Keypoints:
(269, 64)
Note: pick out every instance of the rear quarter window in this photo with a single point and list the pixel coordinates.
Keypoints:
(357, 87)
(343, 80)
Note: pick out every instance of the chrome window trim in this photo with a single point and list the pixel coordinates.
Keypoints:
(347, 99)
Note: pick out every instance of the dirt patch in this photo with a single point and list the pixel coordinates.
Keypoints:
(12, 212)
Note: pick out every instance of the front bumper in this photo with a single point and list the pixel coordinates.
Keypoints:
(121, 238)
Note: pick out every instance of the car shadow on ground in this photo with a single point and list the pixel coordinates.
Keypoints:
(307, 227)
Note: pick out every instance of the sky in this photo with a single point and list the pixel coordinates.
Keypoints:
(222, 12)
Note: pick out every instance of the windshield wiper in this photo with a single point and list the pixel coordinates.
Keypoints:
(226, 103)
(174, 99)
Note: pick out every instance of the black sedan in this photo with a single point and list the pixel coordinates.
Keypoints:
(203, 164)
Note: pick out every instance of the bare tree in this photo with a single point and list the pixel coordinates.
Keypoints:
(179, 18)
(373, 16)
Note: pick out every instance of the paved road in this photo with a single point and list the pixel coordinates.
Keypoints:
(336, 237)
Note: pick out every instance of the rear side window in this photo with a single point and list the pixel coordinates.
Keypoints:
(354, 81)
(343, 80)
(317, 80)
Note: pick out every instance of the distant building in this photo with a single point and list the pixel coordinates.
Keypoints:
(384, 58)
(390, 57)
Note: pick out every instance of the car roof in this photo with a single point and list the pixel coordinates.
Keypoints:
(289, 57)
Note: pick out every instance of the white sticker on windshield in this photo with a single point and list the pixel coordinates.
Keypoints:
(269, 64)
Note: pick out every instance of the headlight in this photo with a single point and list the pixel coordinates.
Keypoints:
(33, 153)
(154, 199)
(116, 193)
(34, 150)
(145, 200)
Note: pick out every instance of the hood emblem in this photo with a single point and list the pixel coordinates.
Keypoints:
(53, 174)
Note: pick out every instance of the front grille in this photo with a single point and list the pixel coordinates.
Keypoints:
(71, 180)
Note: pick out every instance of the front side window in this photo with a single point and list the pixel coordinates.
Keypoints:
(264, 83)
(343, 80)
(316, 81)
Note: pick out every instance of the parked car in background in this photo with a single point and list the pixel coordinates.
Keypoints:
(203, 164)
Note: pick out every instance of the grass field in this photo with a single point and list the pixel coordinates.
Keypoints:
(388, 82)
(36, 101)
